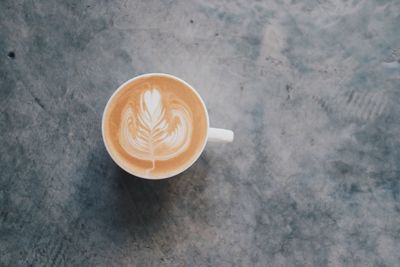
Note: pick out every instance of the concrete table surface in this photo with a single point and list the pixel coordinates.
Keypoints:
(311, 89)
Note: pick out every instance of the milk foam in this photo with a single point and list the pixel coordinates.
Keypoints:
(155, 126)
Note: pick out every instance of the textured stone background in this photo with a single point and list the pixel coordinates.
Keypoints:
(311, 89)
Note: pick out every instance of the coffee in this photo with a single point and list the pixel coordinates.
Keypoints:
(155, 126)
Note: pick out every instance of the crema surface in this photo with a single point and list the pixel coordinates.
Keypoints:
(155, 126)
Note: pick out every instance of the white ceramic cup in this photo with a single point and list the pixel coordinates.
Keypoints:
(213, 134)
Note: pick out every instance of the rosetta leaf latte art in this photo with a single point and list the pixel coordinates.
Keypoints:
(153, 129)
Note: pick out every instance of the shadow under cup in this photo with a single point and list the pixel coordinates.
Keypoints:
(155, 126)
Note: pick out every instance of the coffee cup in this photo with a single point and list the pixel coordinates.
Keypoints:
(156, 126)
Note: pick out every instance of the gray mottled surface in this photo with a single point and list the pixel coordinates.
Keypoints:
(311, 89)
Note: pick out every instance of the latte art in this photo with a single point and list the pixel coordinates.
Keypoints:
(156, 127)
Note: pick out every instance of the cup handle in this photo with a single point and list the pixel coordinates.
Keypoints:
(220, 135)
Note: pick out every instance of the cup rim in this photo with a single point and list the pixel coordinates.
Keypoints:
(114, 157)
